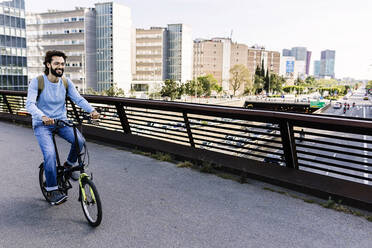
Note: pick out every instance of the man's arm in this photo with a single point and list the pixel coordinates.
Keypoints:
(80, 101)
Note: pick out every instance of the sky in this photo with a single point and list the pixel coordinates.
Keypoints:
(341, 25)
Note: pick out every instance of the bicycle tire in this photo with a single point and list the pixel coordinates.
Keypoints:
(91, 200)
(42, 182)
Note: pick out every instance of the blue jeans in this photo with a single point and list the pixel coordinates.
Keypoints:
(44, 137)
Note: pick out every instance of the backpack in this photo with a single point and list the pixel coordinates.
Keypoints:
(40, 85)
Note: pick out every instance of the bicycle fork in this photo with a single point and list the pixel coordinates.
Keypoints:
(82, 194)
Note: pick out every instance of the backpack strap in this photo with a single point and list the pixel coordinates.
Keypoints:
(40, 86)
(65, 83)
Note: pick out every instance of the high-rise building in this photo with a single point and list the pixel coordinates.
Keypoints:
(299, 53)
(13, 52)
(316, 68)
(180, 51)
(308, 61)
(302, 59)
(72, 32)
(113, 44)
(327, 64)
(150, 58)
(286, 52)
(287, 66)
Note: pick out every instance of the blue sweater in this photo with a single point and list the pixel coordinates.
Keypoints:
(51, 102)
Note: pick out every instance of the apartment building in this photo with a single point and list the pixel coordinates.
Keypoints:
(150, 59)
(258, 54)
(72, 32)
(13, 52)
(208, 59)
(218, 55)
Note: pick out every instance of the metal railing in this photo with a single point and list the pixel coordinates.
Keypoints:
(329, 146)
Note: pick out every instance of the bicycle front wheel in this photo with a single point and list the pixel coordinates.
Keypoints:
(91, 202)
(42, 182)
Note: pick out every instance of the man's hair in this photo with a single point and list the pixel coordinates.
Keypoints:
(48, 58)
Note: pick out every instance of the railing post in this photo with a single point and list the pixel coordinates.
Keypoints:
(5, 100)
(289, 144)
(123, 118)
(77, 117)
(188, 128)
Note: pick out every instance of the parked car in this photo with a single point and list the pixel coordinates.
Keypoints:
(337, 105)
(274, 159)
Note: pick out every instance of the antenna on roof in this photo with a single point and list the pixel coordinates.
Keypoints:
(231, 33)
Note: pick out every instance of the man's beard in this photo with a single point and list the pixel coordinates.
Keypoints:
(55, 73)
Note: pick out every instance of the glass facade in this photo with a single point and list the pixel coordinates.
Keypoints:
(13, 56)
(104, 46)
(174, 62)
(327, 63)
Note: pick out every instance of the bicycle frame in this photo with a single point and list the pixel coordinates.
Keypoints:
(79, 167)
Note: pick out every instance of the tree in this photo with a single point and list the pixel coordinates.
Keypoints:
(258, 84)
(113, 91)
(262, 69)
(239, 76)
(267, 81)
(310, 80)
(276, 82)
(170, 89)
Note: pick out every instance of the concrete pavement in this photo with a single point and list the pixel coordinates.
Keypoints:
(148, 203)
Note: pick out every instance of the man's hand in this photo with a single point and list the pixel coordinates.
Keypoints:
(47, 121)
(94, 114)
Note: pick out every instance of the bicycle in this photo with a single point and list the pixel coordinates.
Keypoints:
(88, 194)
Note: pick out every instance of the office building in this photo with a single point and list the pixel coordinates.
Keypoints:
(308, 61)
(113, 46)
(13, 52)
(150, 59)
(180, 51)
(72, 32)
(316, 68)
(302, 59)
(327, 64)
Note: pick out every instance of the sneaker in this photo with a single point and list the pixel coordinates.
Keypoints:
(75, 174)
(56, 197)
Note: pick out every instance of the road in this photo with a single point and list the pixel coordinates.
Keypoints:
(357, 153)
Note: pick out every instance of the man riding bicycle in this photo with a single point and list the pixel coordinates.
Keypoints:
(46, 103)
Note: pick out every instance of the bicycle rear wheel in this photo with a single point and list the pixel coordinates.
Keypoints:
(91, 203)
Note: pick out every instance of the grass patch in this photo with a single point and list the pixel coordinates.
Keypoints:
(162, 156)
(185, 164)
(158, 156)
(226, 176)
(330, 204)
(206, 167)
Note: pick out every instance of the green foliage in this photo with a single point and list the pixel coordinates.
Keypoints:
(202, 86)
(258, 84)
(369, 84)
(170, 89)
(239, 77)
(91, 91)
(113, 91)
